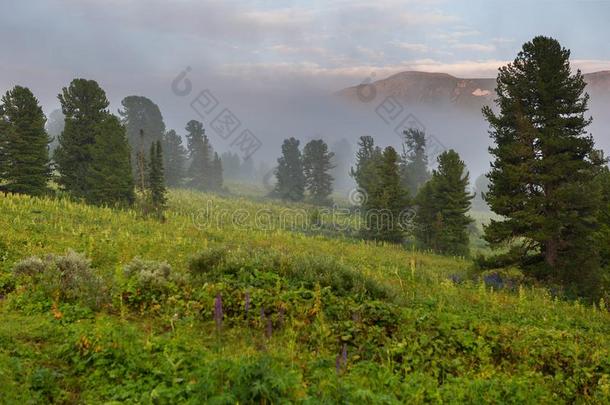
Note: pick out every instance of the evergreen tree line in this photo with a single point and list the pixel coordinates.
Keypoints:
(96, 156)
(308, 172)
(403, 200)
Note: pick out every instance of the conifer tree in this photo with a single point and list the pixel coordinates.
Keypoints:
(84, 105)
(444, 202)
(156, 180)
(316, 167)
(175, 159)
(387, 201)
(216, 171)
(23, 144)
(544, 163)
(367, 160)
(289, 173)
(414, 160)
(111, 178)
(200, 154)
(144, 125)
(231, 165)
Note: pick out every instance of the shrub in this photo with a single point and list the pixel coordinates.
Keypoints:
(510, 278)
(206, 261)
(148, 282)
(67, 278)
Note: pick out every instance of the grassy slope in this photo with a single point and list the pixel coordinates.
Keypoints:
(451, 342)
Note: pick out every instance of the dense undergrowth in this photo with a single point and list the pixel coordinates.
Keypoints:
(102, 306)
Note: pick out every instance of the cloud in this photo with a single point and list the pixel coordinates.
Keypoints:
(475, 47)
(412, 47)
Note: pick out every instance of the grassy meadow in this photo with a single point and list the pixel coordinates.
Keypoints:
(211, 306)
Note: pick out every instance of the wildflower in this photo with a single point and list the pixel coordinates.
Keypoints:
(218, 311)
(269, 329)
(281, 315)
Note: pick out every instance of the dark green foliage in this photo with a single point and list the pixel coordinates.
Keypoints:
(316, 167)
(174, 155)
(205, 171)
(144, 125)
(443, 204)
(387, 201)
(156, 179)
(289, 172)
(544, 165)
(24, 156)
(604, 219)
(110, 180)
(414, 160)
(84, 106)
(367, 159)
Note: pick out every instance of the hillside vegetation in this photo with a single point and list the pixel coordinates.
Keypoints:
(200, 310)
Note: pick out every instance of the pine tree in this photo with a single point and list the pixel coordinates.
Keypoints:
(111, 177)
(316, 167)
(442, 220)
(414, 160)
(387, 202)
(175, 159)
(141, 116)
(201, 155)
(367, 160)
(156, 180)
(289, 173)
(24, 149)
(544, 164)
(84, 106)
(603, 235)
(216, 173)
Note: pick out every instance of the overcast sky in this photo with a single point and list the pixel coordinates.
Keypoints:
(284, 47)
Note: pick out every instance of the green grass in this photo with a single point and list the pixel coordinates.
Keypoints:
(410, 334)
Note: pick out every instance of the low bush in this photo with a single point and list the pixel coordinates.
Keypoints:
(67, 278)
(148, 283)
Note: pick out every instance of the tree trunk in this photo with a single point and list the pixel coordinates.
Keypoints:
(551, 252)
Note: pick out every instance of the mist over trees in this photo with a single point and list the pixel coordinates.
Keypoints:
(414, 160)
(317, 164)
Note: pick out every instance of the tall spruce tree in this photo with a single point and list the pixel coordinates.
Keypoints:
(175, 156)
(231, 165)
(141, 116)
(290, 183)
(201, 156)
(544, 165)
(24, 144)
(156, 179)
(111, 178)
(414, 160)
(603, 235)
(387, 201)
(443, 204)
(84, 105)
(317, 164)
(365, 172)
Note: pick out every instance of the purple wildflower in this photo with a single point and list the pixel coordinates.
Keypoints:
(269, 329)
(338, 364)
(344, 355)
(281, 315)
(218, 311)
